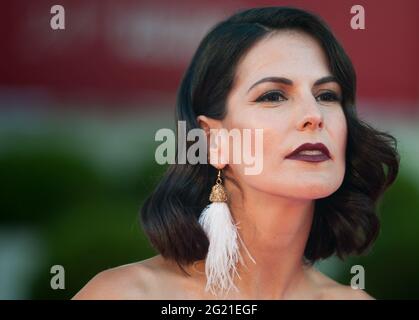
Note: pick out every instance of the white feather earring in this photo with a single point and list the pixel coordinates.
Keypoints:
(223, 252)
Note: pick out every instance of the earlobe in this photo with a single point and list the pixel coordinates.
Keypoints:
(218, 149)
(216, 158)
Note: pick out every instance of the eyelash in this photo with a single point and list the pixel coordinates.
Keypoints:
(331, 95)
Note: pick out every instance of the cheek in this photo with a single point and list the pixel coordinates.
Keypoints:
(270, 138)
(338, 134)
(337, 131)
(271, 124)
(273, 145)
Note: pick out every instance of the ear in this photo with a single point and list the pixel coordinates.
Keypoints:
(216, 142)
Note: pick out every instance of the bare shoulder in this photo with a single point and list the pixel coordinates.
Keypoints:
(329, 289)
(131, 281)
(342, 292)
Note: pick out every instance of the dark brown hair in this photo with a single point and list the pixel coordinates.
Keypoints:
(345, 222)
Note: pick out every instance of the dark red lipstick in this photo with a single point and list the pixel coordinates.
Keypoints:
(311, 152)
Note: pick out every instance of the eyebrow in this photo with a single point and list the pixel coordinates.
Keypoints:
(289, 82)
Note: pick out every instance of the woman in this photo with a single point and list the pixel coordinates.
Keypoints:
(282, 70)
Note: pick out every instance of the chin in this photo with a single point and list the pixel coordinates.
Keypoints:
(310, 190)
(317, 191)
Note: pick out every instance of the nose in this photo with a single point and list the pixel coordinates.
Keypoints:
(311, 117)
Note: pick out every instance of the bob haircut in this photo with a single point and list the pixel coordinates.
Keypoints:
(345, 222)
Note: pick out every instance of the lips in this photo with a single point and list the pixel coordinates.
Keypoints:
(313, 152)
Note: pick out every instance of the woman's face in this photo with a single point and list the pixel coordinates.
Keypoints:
(291, 113)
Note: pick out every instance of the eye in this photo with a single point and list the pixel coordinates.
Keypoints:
(271, 96)
(328, 97)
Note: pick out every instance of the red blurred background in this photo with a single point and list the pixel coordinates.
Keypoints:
(124, 51)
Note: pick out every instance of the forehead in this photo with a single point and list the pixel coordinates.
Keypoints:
(287, 53)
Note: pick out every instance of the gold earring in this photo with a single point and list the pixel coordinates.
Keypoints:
(223, 252)
(218, 192)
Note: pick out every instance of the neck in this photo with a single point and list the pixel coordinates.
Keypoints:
(274, 230)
